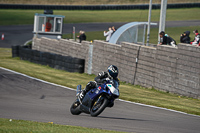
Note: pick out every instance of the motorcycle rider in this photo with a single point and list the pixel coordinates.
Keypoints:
(102, 77)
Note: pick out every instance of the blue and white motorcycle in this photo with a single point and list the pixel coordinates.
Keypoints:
(97, 99)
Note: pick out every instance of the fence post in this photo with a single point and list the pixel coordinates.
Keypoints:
(136, 61)
(74, 32)
(144, 33)
(90, 53)
(149, 22)
(163, 11)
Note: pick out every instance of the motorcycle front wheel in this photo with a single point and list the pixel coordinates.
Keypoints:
(99, 105)
(75, 108)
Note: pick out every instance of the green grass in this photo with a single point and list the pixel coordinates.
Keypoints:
(174, 32)
(14, 17)
(93, 35)
(127, 91)
(21, 126)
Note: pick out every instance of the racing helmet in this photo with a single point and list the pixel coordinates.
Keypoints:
(113, 71)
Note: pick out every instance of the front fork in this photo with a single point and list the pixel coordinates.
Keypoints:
(99, 99)
(78, 90)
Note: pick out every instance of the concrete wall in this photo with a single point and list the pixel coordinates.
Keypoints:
(123, 56)
(188, 70)
(145, 73)
(165, 68)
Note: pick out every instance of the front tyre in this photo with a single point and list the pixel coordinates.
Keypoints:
(75, 108)
(99, 105)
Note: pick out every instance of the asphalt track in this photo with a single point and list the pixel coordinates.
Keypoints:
(26, 98)
(19, 34)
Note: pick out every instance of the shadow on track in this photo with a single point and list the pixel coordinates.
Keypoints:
(118, 118)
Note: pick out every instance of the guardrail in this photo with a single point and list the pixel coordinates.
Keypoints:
(56, 61)
(95, 7)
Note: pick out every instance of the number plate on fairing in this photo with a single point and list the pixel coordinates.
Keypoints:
(113, 89)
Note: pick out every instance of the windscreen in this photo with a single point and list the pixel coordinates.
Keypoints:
(114, 83)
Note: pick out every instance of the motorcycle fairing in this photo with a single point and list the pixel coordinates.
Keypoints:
(113, 89)
(97, 91)
(86, 103)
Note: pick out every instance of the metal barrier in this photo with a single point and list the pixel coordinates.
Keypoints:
(96, 7)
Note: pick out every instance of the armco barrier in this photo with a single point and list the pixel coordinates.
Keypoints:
(96, 7)
(57, 61)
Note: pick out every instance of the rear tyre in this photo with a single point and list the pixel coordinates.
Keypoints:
(75, 108)
(99, 105)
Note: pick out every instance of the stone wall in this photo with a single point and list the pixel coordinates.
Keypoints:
(145, 73)
(123, 56)
(165, 68)
(188, 70)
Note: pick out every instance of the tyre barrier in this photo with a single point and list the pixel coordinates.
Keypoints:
(56, 61)
(15, 51)
(96, 7)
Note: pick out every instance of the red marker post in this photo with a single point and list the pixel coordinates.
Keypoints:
(2, 37)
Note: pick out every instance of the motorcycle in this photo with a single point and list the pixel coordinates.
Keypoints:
(97, 99)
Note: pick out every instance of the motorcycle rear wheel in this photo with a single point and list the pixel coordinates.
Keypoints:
(99, 105)
(75, 108)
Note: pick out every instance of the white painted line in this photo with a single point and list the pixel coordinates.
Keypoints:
(37, 79)
(117, 99)
(152, 106)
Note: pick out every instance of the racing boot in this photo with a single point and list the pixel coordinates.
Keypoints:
(89, 86)
(82, 94)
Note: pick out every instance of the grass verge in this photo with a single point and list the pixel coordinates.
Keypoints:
(21, 126)
(174, 32)
(127, 91)
(14, 17)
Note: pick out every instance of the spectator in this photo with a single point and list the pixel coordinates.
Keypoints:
(163, 38)
(196, 38)
(48, 25)
(170, 41)
(185, 38)
(113, 29)
(82, 36)
(108, 34)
